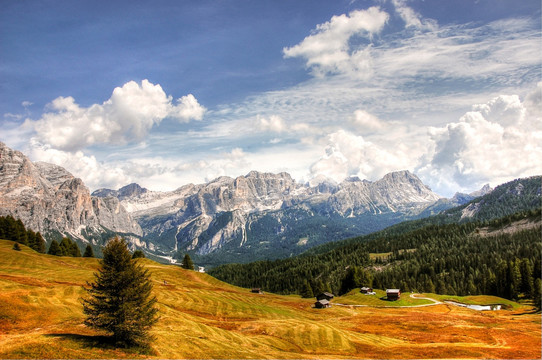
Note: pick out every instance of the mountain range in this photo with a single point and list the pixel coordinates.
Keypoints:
(49, 199)
(256, 216)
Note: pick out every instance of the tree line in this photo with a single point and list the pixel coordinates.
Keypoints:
(14, 230)
(451, 259)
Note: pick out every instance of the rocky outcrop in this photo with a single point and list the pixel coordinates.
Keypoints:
(207, 217)
(49, 199)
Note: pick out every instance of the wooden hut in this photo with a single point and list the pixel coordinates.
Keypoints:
(393, 294)
(324, 296)
(256, 291)
(322, 304)
(366, 290)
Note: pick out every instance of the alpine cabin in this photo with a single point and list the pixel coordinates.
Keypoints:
(393, 294)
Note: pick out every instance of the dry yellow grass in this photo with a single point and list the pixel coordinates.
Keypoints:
(201, 317)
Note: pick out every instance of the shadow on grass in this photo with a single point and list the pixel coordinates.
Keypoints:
(103, 342)
(385, 298)
(90, 341)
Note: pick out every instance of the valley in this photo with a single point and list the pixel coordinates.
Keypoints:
(201, 317)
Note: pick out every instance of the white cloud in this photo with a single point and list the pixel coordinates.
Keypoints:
(188, 109)
(411, 18)
(274, 124)
(94, 173)
(327, 49)
(127, 116)
(347, 155)
(495, 142)
(366, 122)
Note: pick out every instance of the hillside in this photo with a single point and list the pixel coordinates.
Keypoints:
(448, 258)
(517, 196)
(201, 317)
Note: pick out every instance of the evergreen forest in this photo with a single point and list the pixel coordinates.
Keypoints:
(455, 259)
(14, 230)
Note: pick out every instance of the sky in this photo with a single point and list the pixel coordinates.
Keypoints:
(167, 93)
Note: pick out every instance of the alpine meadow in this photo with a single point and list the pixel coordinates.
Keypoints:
(309, 179)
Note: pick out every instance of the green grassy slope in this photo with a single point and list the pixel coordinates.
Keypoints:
(201, 317)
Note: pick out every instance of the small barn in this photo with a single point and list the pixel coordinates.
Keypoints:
(366, 290)
(324, 296)
(393, 294)
(322, 304)
(256, 291)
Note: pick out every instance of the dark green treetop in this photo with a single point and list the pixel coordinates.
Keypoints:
(120, 299)
(187, 263)
(88, 251)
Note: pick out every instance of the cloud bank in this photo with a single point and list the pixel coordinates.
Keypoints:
(126, 117)
(495, 142)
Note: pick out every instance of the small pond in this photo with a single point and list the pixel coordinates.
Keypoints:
(477, 307)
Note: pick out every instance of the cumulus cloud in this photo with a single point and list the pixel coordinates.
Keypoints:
(347, 154)
(187, 109)
(495, 142)
(327, 49)
(127, 116)
(94, 173)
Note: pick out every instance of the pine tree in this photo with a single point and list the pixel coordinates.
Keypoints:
(187, 263)
(120, 299)
(138, 254)
(39, 244)
(88, 251)
(54, 249)
(69, 248)
(306, 290)
(319, 287)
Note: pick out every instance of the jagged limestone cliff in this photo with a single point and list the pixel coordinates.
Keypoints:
(49, 199)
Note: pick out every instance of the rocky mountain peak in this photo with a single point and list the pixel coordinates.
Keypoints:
(47, 198)
(486, 189)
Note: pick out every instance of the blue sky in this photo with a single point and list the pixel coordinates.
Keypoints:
(169, 92)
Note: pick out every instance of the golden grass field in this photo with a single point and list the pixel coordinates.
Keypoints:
(201, 317)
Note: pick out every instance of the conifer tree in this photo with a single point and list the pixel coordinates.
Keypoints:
(39, 244)
(54, 249)
(69, 248)
(187, 263)
(35, 241)
(319, 287)
(120, 300)
(306, 290)
(88, 251)
(138, 254)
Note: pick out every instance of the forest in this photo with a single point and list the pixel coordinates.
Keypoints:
(14, 230)
(453, 259)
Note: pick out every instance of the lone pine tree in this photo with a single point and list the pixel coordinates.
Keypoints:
(120, 299)
(187, 263)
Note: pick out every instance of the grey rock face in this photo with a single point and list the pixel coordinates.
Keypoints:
(47, 198)
(206, 217)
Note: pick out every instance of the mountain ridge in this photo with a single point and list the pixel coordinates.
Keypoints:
(49, 199)
(230, 213)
